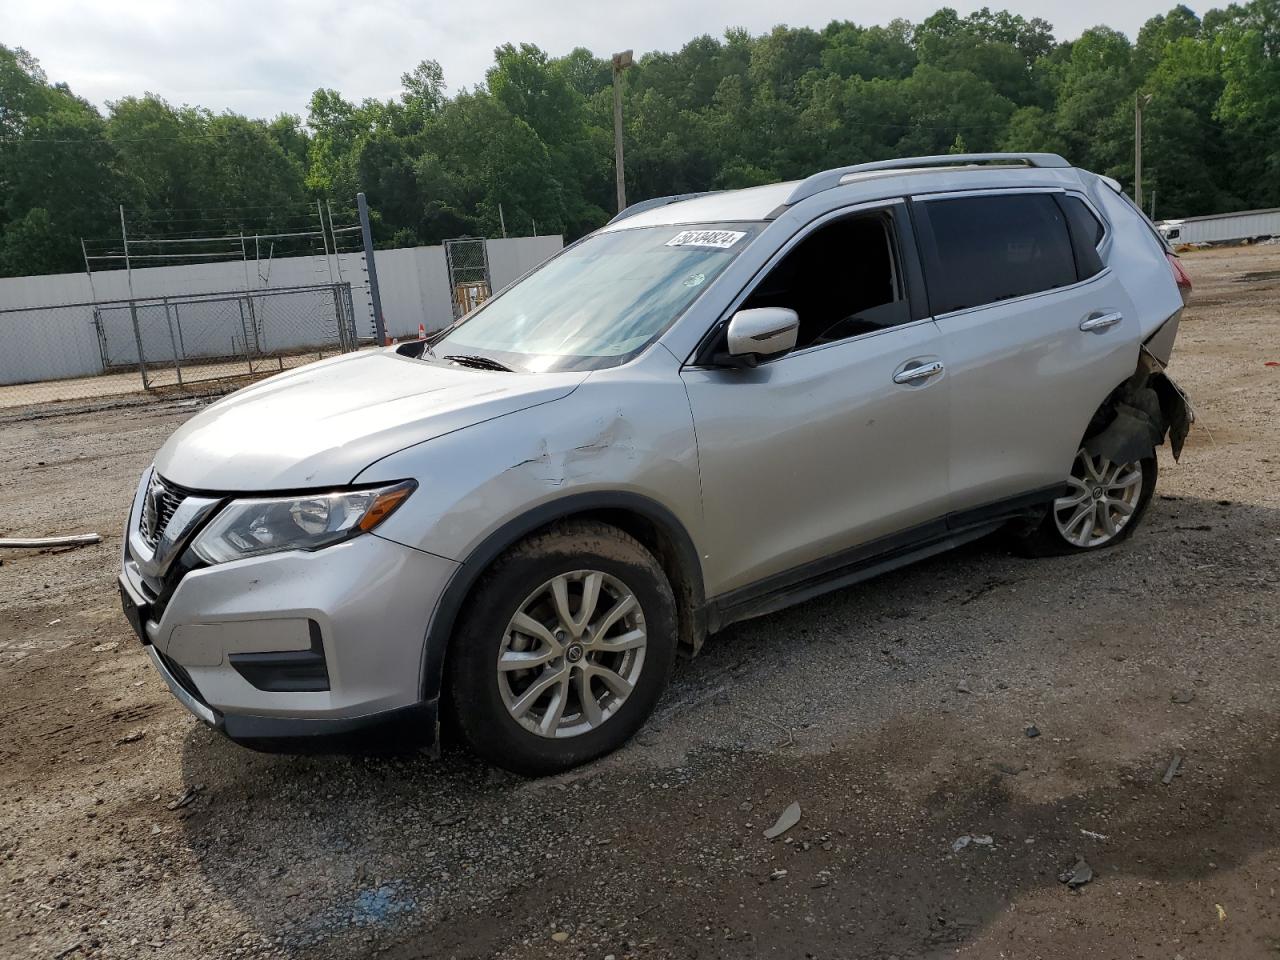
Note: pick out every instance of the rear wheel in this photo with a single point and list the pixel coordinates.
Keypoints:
(1103, 504)
(567, 645)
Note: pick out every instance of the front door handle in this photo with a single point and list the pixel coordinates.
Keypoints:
(917, 374)
(1100, 321)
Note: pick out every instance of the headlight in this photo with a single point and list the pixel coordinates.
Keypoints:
(247, 528)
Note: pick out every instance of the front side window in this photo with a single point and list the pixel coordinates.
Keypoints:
(991, 248)
(600, 302)
(842, 280)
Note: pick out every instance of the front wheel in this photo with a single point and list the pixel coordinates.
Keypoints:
(569, 641)
(1103, 504)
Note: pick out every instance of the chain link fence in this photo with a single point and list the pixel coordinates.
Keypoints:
(195, 343)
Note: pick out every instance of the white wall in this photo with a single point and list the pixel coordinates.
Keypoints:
(414, 281)
(1226, 226)
(61, 341)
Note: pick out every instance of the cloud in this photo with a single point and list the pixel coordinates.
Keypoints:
(266, 57)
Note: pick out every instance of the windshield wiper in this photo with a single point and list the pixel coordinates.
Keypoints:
(477, 362)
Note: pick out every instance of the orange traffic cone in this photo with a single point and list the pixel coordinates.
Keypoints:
(422, 331)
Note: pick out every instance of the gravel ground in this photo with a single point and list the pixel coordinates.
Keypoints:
(895, 713)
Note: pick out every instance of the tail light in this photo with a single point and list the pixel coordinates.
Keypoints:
(1180, 277)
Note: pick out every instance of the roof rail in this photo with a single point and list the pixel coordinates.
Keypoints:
(833, 178)
(644, 205)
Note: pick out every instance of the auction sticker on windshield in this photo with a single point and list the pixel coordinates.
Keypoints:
(723, 239)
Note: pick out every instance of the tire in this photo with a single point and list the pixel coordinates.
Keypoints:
(530, 604)
(1048, 538)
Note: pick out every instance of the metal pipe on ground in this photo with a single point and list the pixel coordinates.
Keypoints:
(31, 543)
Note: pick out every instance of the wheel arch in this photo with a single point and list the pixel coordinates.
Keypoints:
(1138, 414)
(646, 519)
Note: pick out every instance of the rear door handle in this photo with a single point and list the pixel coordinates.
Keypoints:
(917, 374)
(1100, 321)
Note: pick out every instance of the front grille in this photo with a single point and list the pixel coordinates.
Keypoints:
(161, 500)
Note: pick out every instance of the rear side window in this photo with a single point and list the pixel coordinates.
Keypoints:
(991, 248)
(1086, 233)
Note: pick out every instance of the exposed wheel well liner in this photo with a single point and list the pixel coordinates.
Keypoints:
(643, 518)
(1137, 415)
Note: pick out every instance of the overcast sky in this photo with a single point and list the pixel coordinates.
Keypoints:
(264, 57)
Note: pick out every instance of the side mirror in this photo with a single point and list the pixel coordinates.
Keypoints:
(764, 333)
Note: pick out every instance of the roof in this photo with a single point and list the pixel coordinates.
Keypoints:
(761, 203)
(751, 203)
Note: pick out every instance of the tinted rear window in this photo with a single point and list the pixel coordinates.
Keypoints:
(1086, 233)
(992, 248)
(1082, 218)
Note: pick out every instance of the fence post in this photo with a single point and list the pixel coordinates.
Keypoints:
(244, 330)
(173, 343)
(133, 305)
(379, 329)
(339, 319)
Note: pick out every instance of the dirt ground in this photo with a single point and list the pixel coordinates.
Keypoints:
(895, 713)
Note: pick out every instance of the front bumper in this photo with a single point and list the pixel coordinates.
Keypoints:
(226, 637)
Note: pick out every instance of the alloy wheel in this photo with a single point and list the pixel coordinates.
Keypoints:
(572, 654)
(1103, 497)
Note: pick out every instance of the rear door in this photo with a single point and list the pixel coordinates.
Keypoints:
(838, 443)
(1037, 331)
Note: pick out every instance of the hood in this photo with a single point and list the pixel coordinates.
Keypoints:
(322, 424)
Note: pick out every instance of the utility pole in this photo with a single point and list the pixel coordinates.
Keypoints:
(379, 330)
(1139, 101)
(503, 221)
(621, 61)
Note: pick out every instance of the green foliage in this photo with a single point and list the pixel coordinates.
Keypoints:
(535, 140)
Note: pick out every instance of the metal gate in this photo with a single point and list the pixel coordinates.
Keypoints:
(180, 340)
(469, 283)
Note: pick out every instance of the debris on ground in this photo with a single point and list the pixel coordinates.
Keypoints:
(1078, 875)
(981, 839)
(786, 820)
(560, 936)
(791, 738)
(778, 874)
(1032, 731)
(1093, 835)
(186, 797)
(1182, 696)
(1222, 913)
(36, 543)
(1172, 770)
(131, 738)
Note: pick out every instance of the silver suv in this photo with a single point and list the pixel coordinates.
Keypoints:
(714, 407)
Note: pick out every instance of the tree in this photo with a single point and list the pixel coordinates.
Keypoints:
(536, 138)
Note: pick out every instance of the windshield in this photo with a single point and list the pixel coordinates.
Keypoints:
(601, 301)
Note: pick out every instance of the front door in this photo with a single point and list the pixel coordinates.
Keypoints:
(842, 441)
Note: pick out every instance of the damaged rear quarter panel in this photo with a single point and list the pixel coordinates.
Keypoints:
(627, 429)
